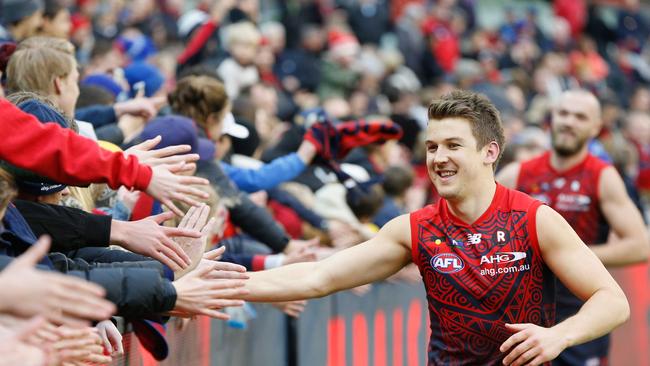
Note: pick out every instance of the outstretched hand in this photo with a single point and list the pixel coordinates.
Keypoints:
(196, 221)
(148, 237)
(16, 350)
(167, 155)
(210, 287)
(61, 299)
(166, 186)
(531, 345)
(111, 337)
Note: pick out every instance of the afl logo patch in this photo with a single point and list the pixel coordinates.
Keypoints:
(447, 263)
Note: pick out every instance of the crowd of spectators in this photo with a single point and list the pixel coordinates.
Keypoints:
(156, 150)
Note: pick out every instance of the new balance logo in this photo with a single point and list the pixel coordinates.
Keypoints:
(473, 239)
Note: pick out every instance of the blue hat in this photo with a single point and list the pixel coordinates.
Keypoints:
(138, 48)
(103, 81)
(142, 72)
(16, 10)
(178, 130)
(39, 188)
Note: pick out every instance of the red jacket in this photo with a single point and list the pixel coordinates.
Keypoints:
(62, 155)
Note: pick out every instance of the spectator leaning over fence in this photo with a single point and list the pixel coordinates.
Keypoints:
(460, 244)
(204, 100)
(73, 229)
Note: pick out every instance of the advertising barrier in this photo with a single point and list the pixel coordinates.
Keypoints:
(388, 325)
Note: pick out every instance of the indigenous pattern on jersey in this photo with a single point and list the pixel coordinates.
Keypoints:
(480, 276)
(572, 193)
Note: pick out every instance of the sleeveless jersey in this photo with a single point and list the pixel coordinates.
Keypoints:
(480, 276)
(572, 193)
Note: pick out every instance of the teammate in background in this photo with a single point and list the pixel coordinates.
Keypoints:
(590, 195)
(487, 254)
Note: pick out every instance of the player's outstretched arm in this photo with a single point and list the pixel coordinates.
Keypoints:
(508, 175)
(367, 262)
(579, 269)
(630, 243)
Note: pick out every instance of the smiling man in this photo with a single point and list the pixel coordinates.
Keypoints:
(590, 195)
(488, 255)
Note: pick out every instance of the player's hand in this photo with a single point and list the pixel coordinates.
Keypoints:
(531, 345)
(210, 287)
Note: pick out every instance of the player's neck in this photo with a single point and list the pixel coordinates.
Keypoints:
(470, 208)
(563, 163)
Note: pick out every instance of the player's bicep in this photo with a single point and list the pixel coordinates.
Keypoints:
(620, 212)
(373, 260)
(568, 257)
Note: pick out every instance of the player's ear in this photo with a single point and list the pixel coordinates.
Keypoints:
(492, 151)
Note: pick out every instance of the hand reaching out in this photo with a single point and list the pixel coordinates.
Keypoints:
(111, 337)
(195, 221)
(167, 186)
(79, 346)
(210, 287)
(148, 237)
(61, 299)
(166, 156)
(14, 347)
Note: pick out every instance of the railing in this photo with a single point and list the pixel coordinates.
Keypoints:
(386, 326)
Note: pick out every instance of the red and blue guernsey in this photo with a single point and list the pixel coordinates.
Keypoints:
(574, 194)
(480, 276)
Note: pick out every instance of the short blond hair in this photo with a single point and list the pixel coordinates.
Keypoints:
(243, 32)
(37, 62)
(8, 189)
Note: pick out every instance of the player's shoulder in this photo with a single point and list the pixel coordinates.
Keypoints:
(514, 200)
(536, 161)
(428, 212)
(596, 163)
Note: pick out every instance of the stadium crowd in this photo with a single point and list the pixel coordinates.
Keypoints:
(154, 151)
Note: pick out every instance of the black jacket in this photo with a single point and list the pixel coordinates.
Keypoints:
(137, 289)
(70, 228)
